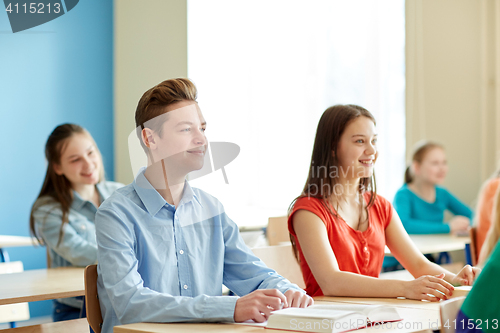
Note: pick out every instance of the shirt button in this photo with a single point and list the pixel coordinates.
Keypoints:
(185, 286)
(84, 227)
(181, 252)
(366, 249)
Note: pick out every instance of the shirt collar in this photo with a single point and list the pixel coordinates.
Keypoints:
(188, 195)
(78, 201)
(152, 200)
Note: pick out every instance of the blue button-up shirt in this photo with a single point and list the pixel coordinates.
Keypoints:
(159, 263)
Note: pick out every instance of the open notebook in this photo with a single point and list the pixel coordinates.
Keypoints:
(331, 318)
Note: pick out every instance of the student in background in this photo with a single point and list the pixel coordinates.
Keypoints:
(493, 233)
(480, 310)
(421, 202)
(165, 249)
(62, 217)
(484, 210)
(339, 226)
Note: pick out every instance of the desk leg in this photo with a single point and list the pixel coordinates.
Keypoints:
(444, 257)
(4, 257)
(468, 255)
(83, 312)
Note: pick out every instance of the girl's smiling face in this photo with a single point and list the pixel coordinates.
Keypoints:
(433, 168)
(357, 149)
(80, 161)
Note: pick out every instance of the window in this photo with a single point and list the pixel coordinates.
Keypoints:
(266, 71)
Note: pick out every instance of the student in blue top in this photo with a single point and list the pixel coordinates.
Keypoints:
(62, 217)
(421, 202)
(164, 248)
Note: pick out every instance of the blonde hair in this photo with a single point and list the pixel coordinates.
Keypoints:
(420, 149)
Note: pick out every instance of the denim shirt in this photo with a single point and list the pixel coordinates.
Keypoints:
(78, 245)
(161, 263)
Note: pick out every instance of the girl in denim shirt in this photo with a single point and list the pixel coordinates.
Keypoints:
(62, 217)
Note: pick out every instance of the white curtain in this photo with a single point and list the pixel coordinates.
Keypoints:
(267, 69)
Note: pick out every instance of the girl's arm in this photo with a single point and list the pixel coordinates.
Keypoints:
(402, 203)
(456, 206)
(409, 256)
(313, 240)
(78, 247)
(482, 258)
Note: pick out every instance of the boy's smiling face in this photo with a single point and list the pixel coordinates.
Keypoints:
(182, 143)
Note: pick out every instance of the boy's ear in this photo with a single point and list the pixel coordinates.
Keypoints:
(148, 138)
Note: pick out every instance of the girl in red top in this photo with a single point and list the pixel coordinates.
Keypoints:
(339, 226)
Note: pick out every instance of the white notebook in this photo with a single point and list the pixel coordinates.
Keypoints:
(332, 318)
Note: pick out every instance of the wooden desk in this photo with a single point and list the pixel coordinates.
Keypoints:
(16, 241)
(437, 243)
(416, 318)
(13, 241)
(189, 328)
(406, 276)
(67, 326)
(41, 284)
(396, 302)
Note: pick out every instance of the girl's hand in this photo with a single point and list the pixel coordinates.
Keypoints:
(297, 299)
(429, 287)
(466, 276)
(459, 224)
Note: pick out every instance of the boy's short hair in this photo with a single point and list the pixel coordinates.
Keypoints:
(154, 102)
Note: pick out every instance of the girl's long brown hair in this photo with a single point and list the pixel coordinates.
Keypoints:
(56, 189)
(319, 184)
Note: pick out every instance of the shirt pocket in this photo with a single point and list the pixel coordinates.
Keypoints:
(83, 228)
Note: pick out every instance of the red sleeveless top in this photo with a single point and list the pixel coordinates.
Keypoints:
(356, 251)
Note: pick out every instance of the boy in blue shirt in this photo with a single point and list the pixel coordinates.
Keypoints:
(165, 248)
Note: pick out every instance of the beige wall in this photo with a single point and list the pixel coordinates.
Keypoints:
(150, 46)
(451, 75)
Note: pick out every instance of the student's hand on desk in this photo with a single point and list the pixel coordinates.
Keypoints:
(258, 305)
(466, 276)
(297, 299)
(459, 224)
(429, 287)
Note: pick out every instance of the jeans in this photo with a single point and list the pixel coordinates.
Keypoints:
(64, 312)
